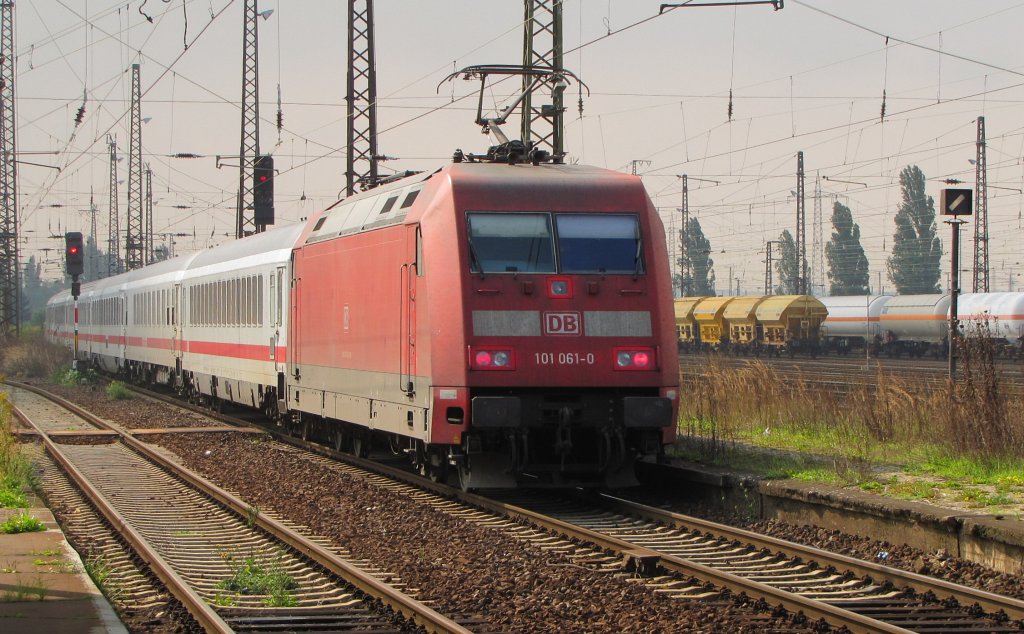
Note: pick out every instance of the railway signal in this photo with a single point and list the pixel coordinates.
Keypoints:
(263, 190)
(74, 254)
(955, 203)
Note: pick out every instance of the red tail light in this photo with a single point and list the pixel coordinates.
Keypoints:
(492, 358)
(633, 359)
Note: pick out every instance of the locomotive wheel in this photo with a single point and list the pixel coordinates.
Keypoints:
(465, 476)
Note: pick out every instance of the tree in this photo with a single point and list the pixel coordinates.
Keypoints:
(701, 280)
(161, 252)
(847, 264)
(95, 260)
(786, 266)
(35, 292)
(916, 250)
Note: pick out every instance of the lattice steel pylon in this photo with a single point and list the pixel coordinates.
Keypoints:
(10, 289)
(361, 99)
(135, 239)
(245, 223)
(801, 227)
(148, 201)
(114, 223)
(686, 266)
(818, 243)
(981, 213)
(542, 48)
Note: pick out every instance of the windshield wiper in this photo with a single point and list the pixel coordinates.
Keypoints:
(636, 258)
(473, 259)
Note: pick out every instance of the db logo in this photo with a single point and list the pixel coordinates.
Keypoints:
(562, 323)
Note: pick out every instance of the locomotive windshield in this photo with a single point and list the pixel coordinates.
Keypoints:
(598, 243)
(511, 243)
(526, 243)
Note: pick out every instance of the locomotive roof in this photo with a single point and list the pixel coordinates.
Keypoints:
(390, 203)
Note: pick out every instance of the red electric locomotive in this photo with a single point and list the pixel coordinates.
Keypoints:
(512, 321)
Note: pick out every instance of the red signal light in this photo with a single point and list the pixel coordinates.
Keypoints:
(631, 359)
(492, 359)
(73, 250)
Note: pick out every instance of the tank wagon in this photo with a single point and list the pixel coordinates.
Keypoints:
(512, 323)
(852, 322)
(918, 325)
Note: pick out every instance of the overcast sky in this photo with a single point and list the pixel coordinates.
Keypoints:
(810, 77)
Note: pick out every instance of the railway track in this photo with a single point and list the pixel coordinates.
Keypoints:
(859, 595)
(194, 536)
(688, 558)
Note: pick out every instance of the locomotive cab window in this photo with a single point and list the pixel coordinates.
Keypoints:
(599, 243)
(510, 243)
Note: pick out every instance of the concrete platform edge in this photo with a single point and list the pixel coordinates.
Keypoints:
(993, 541)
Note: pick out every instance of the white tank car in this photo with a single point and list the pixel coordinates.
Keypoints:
(852, 318)
(1003, 313)
(915, 324)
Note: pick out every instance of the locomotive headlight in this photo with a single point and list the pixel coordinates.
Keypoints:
(560, 288)
(491, 358)
(634, 359)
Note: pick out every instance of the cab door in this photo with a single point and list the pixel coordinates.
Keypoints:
(410, 270)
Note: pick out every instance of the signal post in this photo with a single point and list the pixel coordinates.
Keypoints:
(74, 260)
(954, 202)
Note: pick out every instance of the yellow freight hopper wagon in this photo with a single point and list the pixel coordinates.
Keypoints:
(791, 321)
(741, 317)
(687, 330)
(709, 316)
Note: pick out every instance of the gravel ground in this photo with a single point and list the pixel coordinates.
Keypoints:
(471, 570)
(461, 567)
(936, 564)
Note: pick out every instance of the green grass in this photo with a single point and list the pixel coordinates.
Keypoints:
(15, 469)
(65, 375)
(118, 391)
(250, 577)
(11, 498)
(21, 523)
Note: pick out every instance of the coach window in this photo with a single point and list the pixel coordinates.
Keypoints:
(248, 301)
(259, 300)
(280, 297)
(599, 243)
(510, 243)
